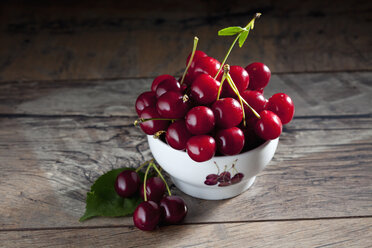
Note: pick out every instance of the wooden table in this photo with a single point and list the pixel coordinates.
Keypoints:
(70, 74)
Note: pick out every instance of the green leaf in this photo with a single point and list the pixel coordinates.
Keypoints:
(243, 37)
(230, 31)
(102, 199)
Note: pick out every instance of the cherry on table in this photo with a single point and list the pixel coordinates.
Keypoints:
(171, 105)
(230, 141)
(160, 79)
(127, 183)
(256, 100)
(177, 135)
(147, 215)
(282, 105)
(155, 189)
(173, 209)
(152, 126)
(204, 89)
(200, 120)
(269, 126)
(259, 75)
(227, 112)
(201, 148)
(144, 100)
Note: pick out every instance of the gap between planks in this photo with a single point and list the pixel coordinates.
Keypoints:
(176, 76)
(187, 224)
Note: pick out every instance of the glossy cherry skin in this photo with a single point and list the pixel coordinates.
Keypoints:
(204, 65)
(200, 120)
(160, 79)
(204, 89)
(173, 209)
(127, 183)
(201, 148)
(177, 135)
(153, 126)
(269, 126)
(144, 100)
(211, 179)
(241, 79)
(155, 189)
(259, 75)
(227, 112)
(282, 105)
(230, 141)
(168, 85)
(251, 139)
(256, 100)
(171, 105)
(198, 54)
(147, 215)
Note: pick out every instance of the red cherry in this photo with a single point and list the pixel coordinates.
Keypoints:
(282, 105)
(197, 55)
(153, 126)
(204, 89)
(127, 183)
(171, 105)
(205, 65)
(269, 126)
(224, 177)
(256, 100)
(241, 79)
(144, 100)
(252, 140)
(147, 215)
(259, 75)
(237, 178)
(173, 209)
(230, 141)
(177, 135)
(155, 189)
(160, 79)
(200, 120)
(211, 179)
(168, 85)
(227, 112)
(201, 148)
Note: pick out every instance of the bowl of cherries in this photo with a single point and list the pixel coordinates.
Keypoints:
(213, 130)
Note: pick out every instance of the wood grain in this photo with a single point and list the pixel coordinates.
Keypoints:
(313, 233)
(322, 168)
(49, 41)
(314, 94)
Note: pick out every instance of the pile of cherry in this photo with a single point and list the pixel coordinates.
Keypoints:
(194, 119)
(156, 208)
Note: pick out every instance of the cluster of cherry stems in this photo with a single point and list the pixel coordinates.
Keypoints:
(210, 111)
(156, 208)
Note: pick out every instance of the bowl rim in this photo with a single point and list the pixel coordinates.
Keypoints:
(260, 147)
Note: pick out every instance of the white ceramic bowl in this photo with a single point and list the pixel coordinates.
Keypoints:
(189, 176)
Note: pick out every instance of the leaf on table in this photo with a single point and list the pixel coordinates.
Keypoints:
(102, 199)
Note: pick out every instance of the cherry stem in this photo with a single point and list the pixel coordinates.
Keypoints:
(158, 134)
(250, 25)
(235, 89)
(142, 165)
(196, 39)
(140, 120)
(218, 168)
(145, 179)
(161, 176)
(229, 79)
(220, 88)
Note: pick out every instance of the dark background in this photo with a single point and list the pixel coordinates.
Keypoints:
(73, 40)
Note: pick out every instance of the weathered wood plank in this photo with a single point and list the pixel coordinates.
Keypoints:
(312, 93)
(82, 40)
(314, 233)
(48, 164)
